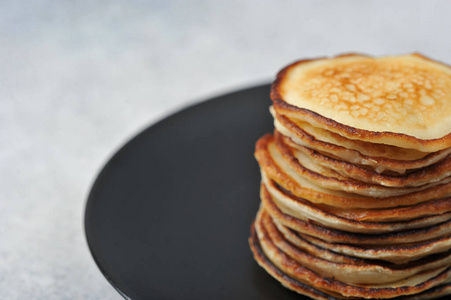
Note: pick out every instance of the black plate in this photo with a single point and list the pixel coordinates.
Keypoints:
(169, 215)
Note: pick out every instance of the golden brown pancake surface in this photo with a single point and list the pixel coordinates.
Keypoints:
(397, 100)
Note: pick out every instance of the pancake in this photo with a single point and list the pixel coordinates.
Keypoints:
(365, 148)
(402, 101)
(357, 271)
(418, 177)
(282, 174)
(307, 212)
(403, 213)
(410, 285)
(356, 179)
(397, 254)
(315, 293)
(336, 235)
(304, 166)
(378, 163)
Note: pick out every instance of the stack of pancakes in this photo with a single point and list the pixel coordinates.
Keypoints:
(356, 179)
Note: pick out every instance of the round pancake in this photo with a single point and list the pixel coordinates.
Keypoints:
(296, 239)
(403, 101)
(304, 167)
(333, 235)
(436, 207)
(365, 148)
(403, 213)
(315, 293)
(360, 272)
(302, 188)
(433, 173)
(306, 211)
(378, 163)
(396, 254)
(411, 285)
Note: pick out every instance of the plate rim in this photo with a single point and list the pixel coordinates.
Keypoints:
(125, 292)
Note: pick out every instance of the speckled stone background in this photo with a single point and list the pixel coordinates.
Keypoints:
(79, 78)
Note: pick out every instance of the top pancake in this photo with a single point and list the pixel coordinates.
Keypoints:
(403, 101)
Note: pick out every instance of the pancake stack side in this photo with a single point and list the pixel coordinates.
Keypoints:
(356, 179)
